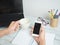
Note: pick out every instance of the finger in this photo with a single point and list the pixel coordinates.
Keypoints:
(16, 23)
(42, 29)
(42, 32)
(17, 28)
(11, 23)
(37, 39)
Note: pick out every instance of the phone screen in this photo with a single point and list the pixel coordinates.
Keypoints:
(37, 28)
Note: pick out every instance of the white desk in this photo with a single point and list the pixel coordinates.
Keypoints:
(49, 29)
(7, 39)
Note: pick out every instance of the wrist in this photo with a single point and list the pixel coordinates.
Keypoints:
(42, 42)
(6, 31)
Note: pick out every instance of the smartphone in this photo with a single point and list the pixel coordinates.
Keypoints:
(36, 29)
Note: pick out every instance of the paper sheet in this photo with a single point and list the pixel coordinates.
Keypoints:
(23, 38)
(49, 38)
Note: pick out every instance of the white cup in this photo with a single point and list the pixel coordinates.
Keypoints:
(25, 22)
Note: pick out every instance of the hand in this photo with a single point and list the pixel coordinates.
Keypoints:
(41, 38)
(13, 27)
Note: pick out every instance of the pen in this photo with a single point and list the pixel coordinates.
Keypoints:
(59, 14)
(50, 14)
(56, 16)
(56, 12)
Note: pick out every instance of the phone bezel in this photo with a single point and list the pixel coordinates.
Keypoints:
(33, 34)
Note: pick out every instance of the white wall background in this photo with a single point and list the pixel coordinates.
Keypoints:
(39, 7)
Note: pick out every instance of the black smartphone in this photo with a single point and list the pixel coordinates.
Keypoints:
(36, 29)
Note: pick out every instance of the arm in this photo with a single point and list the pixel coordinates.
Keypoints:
(12, 28)
(3, 32)
(42, 42)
